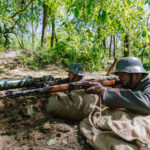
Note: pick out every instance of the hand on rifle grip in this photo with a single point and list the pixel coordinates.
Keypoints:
(96, 88)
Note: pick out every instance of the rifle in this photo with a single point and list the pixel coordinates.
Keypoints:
(61, 87)
(28, 82)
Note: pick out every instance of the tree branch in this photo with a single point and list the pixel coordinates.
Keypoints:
(112, 67)
(23, 9)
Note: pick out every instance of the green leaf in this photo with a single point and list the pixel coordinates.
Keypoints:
(65, 24)
(125, 49)
(104, 16)
(1, 70)
(68, 39)
(79, 137)
(129, 2)
(144, 32)
(148, 2)
(30, 111)
(89, 7)
(76, 12)
(138, 34)
(51, 142)
(64, 142)
(147, 40)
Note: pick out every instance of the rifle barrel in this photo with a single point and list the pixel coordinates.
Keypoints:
(105, 82)
(44, 90)
(59, 88)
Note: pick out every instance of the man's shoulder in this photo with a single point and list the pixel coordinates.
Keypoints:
(145, 82)
(146, 78)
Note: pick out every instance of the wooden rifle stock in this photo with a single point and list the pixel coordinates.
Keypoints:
(61, 87)
(109, 82)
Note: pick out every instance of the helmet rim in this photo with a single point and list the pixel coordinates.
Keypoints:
(130, 65)
(76, 68)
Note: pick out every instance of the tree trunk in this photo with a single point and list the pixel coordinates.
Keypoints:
(22, 40)
(110, 46)
(33, 36)
(56, 38)
(144, 47)
(6, 36)
(126, 45)
(99, 37)
(45, 24)
(1, 35)
(114, 52)
(98, 33)
(104, 43)
(18, 41)
(32, 27)
(53, 32)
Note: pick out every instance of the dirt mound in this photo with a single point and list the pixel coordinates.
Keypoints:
(23, 123)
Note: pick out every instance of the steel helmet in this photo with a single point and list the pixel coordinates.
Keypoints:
(129, 65)
(76, 69)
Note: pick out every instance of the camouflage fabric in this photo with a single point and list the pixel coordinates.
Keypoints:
(16, 83)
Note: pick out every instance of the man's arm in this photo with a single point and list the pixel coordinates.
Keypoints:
(138, 101)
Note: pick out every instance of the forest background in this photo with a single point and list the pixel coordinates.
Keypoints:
(89, 32)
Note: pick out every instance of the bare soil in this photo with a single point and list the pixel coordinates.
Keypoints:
(24, 125)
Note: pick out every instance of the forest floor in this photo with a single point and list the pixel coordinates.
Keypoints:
(22, 129)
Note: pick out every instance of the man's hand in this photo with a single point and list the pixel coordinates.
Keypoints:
(96, 88)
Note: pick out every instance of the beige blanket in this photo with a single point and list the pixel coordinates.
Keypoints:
(73, 105)
(117, 129)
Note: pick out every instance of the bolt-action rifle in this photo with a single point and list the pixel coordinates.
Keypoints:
(28, 82)
(61, 87)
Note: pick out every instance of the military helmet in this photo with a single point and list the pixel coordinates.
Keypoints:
(129, 65)
(76, 69)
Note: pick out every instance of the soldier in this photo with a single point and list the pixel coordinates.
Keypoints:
(75, 73)
(135, 81)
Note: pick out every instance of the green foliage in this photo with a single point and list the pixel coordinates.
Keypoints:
(83, 30)
(1, 70)
(146, 61)
(2, 48)
(36, 59)
(66, 53)
(147, 65)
